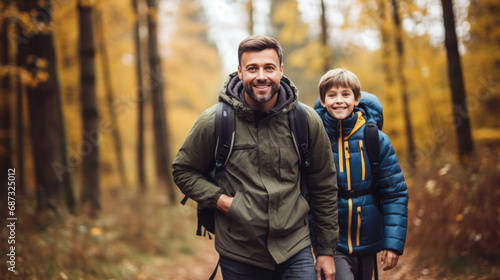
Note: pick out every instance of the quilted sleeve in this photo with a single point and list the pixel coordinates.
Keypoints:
(394, 195)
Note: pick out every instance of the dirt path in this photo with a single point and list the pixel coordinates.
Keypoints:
(201, 266)
(198, 267)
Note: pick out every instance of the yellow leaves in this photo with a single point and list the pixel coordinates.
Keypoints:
(444, 170)
(42, 76)
(42, 63)
(294, 31)
(308, 57)
(95, 231)
(430, 186)
(39, 74)
(31, 25)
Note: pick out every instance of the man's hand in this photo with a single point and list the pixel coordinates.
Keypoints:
(325, 266)
(223, 203)
(389, 258)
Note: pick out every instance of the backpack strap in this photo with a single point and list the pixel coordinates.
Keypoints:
(375, 266)
(224, 134)
(372, 149)
(215, 270)
(299, 126)
(224, 131)
(354, 193)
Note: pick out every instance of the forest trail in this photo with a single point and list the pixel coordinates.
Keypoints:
(199, 266)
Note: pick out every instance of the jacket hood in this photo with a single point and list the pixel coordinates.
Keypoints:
(369, 106)
(232, 92)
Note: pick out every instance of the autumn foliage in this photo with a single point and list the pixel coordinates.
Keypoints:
(454, 220)
(454, 212)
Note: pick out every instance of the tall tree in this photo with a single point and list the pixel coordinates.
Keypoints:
(249, 8)
(5, 100)
(117, 141)
(36, 54)
(386, 41)
(20, 164)
(90, 192)
(402, 80)
(456, 80)
(324, 38)
(483, 61)
(141, 99)
(162, 153)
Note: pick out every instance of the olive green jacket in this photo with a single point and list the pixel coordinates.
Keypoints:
(267, 222)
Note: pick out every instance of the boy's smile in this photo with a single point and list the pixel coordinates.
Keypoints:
(339, 102)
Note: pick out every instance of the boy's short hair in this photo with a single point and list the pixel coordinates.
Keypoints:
(339, 77)
(259, 43)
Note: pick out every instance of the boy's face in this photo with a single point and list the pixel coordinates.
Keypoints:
(339, 102)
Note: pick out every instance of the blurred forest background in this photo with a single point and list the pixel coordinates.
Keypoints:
(97, 96)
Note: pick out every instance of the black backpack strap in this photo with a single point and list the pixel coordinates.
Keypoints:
(354, 193)
(225, 127)
(184, 200)
(299, 126)
(215, 270)
(372, 145)
(372, 149)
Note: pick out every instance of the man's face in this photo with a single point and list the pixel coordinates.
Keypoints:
(261, 73)
(339, 102)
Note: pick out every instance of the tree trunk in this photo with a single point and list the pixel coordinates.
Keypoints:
(250, 17)
(324, 39)
(5, 113)
(37, 55)
(141, 98)
(458, 96)
(402, 81)
(386, 45)
(163, 166)
(109, 98)
(20, 170)
(90, 192)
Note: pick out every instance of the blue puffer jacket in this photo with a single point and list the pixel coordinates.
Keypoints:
(364, 229)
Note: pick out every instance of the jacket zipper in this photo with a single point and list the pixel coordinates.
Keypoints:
(349, 201)
(341, 159)
(362, 149)
(358, 233)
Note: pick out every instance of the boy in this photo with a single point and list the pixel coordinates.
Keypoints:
(372, 214)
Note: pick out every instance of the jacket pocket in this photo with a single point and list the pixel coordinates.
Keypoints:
(234, 207)
(362, 153)
(288, 164)
(370, 225)
(358, 231)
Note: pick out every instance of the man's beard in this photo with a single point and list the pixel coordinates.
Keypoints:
(262, 98)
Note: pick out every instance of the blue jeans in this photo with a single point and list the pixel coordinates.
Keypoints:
(299, 267)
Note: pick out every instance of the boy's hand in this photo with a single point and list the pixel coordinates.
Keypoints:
(389, 258)
(325, 266)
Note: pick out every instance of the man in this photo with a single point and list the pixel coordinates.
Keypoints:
(261, 228)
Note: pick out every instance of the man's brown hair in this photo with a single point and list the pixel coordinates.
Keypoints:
(259, 43)
(339, 77)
